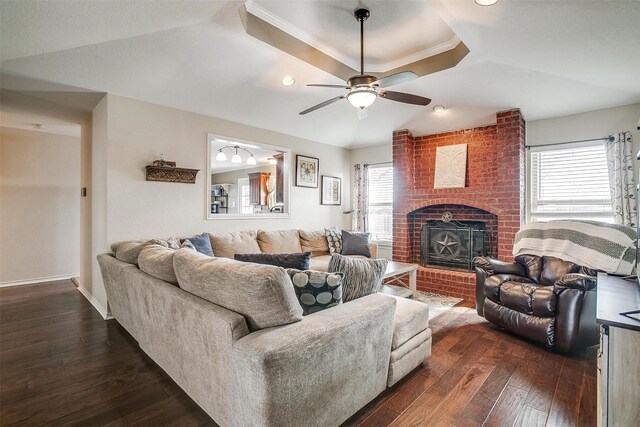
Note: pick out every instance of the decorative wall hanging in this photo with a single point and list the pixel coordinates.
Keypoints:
(331, 190)
(307, 171)
(171, 174)
(451, 166)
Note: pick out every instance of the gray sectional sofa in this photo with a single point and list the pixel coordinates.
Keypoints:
(233, 337)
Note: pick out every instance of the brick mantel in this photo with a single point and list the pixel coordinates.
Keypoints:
(495, 183)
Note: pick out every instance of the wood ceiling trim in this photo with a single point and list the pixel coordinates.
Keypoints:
(281, 40)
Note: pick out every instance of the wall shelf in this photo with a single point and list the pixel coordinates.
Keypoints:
(171, 174)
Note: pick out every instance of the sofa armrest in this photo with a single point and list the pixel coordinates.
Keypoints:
(493, 266)
(577, 281)
(300, 365)
(575, 311)
(373, 248)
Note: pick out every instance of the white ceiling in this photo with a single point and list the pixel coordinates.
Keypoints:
(549, 58)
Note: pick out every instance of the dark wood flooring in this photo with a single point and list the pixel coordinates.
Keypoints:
(62, 364)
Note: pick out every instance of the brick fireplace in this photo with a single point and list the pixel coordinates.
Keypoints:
(493, 196)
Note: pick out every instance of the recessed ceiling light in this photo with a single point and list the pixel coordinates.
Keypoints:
(439, 109)
(288, 81)
(486, 2)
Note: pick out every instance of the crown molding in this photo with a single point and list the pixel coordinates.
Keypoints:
(295, 31)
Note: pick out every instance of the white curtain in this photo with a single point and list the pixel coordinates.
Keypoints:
(621, 179)
(360, 197)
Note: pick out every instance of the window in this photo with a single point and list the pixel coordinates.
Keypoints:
(569, 183)
(243, 196)
(380, 188)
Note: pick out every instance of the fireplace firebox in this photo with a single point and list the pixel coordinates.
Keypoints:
(452, 244)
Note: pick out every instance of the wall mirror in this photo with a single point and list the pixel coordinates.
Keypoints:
(246, 179)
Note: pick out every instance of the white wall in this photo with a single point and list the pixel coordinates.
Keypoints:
(140, 131)
(39, 205)
(592, 124)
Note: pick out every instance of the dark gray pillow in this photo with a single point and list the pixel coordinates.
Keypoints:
(299, 260)
(362, 277)
(201, 243)
(355, 244)
(316, 290)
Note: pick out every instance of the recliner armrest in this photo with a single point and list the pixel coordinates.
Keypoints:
(493, 266)
(577, 281)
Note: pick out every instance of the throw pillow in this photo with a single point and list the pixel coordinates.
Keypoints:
(299, 261)
(202, 243)
(355, 244)
(362, 277)
(316, 290)
(334, 240)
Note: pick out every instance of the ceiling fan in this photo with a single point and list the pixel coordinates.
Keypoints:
(365, 88)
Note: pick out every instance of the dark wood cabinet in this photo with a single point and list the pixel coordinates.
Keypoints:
(279, 178)
(258, 191)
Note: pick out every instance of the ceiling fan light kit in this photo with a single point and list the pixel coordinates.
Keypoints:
(364, 88)
(362, 97)
(486, 2)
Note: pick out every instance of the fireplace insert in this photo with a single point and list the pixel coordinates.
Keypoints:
(452, 244)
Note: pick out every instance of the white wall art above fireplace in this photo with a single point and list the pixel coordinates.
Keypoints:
(451, 166)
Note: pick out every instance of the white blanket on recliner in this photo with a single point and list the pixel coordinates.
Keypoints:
(601, 246)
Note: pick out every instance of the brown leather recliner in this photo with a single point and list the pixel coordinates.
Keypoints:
(545, 299)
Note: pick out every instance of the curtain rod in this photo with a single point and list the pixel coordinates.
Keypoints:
(379, 163)
(604, 138)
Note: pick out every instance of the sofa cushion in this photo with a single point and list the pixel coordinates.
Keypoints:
(226, 245)
(299, 261)
(554, 268)
(533, 264)
(201, 243)
(279, 242)
(354, 243)
(314, 242)
(411, 318)
(157, 261)
(130, 250)
(361, 276)
(517, 296)
(334, 240)
(316, 290)
(263, 294)
(319, 263)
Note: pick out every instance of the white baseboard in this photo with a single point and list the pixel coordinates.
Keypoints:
(38, 280)
(103, 311)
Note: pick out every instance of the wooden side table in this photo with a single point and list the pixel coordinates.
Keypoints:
(402, 281)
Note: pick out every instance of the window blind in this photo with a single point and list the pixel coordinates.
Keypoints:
(569, 183)
(380, 217)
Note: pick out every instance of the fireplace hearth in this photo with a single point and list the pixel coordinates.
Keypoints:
(452, 244)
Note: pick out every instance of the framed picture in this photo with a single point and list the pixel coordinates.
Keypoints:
(331, 190)
(307, 171)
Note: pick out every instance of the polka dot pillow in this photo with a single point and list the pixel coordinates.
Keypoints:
(316, 290)
(334, 240)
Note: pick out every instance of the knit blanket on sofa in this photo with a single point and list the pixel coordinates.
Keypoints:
(601, 246)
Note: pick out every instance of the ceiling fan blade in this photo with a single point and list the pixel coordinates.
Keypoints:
(407, 98)
(322, 104)
(334, 86)
(395, 79)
